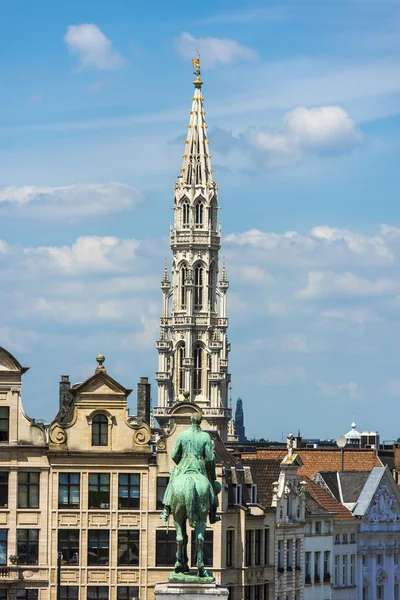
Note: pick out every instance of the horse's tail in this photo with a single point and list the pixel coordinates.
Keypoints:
(190, 496)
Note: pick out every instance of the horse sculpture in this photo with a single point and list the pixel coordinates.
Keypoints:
(191, 492)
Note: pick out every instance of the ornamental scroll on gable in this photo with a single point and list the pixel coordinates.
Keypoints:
(384, 507)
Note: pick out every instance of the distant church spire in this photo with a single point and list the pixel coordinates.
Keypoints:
(193, 346)
(240, 431)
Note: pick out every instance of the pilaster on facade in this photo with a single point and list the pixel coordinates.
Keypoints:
(193, 346)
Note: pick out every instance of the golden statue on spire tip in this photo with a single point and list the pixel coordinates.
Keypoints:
(196, 67)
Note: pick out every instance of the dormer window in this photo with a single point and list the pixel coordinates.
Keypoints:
(100, 430)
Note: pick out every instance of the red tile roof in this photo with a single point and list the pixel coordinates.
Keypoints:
(325, 500)
(321, 460)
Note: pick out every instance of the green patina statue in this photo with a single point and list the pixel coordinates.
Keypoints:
(191, 494)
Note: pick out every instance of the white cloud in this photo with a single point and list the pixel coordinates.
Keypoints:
(284, 375)
(93, 48)
(89, 254)
(323, 131)
(213, 51)
(79, 200)
(321, 246)
(350, 391)
(294, 343)
(323, 284)
(359, 315)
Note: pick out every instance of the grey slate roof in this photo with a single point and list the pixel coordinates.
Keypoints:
(346, 486)
(368, 491)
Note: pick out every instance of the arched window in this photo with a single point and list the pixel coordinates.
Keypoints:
(211, 285)
(197, 374)
(182, 287)
(185, 214)
(199, 214)
(198, 288)
(181, 369)
(100, 431)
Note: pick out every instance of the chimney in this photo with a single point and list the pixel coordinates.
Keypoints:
(65, 396)
(143, 400)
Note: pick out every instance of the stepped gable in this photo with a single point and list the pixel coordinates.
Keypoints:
(322, 460)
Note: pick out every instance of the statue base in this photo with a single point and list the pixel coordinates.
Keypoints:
(189, 578)
(186, 590)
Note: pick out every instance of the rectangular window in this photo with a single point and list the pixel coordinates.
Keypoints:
(289, 554)
(396, 558)
(69, 592)
(208, 548)
(318, 527)
(97, 592)
(162, 484)
(28, 489)
(165, 548)
(298, 553)
(249, 544)
(3, 594)
(266, 591)
(317, 560)
(364, 560)
(247, 592)
(352, 538)
(129, 490)
(4, 489)
(396, 591)
(280, 556)
(327, 574)
(336, 583)
(127, 592)
(352, 569)
(337, 538)
(68, 546)
(238, 494)
(257, 547)
(128, 547)
(68, 490)
(257, 592)
(266, 546)
(98, 547)
(3, 546)
(229, 547)
(379, 559)
(365, 593)
(4, 423)
(307, 570)
(99, 490)
(344, 569)
(345, 539)
(27, 594)
(28, 546)
(379, 592)
(252, 489)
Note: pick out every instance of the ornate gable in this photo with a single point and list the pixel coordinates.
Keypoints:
(9, 363)
(385, 504)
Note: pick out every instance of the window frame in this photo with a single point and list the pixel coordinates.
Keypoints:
(32, 545)
(168, 544)
(96, 488)
(208, 548)
(104, 593)
(93, 544)
(68, 542)
(249, 548)
(5, 420)
(229, 548)
(100, 433)
(132, 501)
(65, 592)
(161, 489)
(30, 488)
(70, 488)
(4, 488)
(128, 595)
(3, 547)
(132, 540)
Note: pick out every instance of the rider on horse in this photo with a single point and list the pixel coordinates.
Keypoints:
(194, 453)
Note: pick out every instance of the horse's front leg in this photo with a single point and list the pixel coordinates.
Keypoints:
(200, 531)
(179, 567)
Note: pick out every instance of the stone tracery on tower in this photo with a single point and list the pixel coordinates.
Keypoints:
(193, 346)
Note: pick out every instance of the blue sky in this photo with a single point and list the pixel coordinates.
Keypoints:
(302, 103)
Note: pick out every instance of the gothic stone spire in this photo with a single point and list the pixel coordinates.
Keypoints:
(193, 347)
